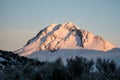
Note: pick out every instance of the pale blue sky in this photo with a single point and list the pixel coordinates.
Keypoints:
(20, 20)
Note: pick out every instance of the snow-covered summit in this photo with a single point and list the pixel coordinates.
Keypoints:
(64, 36)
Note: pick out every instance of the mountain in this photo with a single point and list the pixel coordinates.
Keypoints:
(64, 36)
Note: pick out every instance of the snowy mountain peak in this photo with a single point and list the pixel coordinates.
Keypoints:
(70, 26)
(64, 36)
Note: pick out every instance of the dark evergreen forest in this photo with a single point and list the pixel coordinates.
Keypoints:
(14, 67)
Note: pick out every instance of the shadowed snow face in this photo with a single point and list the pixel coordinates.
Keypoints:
(46, 55)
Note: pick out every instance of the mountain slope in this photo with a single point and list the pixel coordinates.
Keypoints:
(64, 36)
(64, 54)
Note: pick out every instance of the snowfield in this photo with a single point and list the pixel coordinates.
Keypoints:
(46, 55)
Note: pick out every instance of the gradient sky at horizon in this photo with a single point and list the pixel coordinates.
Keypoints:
(20, 20)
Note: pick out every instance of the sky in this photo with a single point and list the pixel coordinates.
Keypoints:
(20, 20)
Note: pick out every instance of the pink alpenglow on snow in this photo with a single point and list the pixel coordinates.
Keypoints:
(64, 36)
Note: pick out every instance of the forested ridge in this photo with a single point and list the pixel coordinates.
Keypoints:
(14, 67)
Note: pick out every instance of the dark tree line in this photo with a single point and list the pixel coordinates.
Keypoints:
(21, 68)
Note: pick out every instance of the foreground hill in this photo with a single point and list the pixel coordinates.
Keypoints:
(14, 67)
